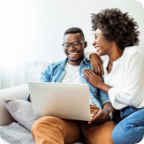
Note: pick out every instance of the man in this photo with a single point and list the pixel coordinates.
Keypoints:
(53, 130)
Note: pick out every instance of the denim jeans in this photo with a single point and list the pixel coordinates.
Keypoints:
(130, 130)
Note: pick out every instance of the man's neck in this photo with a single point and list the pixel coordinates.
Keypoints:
(75, 63)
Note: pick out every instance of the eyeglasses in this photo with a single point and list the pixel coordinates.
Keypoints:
(74, 44)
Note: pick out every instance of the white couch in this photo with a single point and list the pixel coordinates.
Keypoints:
(19, 92)
(32, 73)
(11, 131)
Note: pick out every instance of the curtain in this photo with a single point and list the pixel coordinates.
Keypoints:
(12, 47)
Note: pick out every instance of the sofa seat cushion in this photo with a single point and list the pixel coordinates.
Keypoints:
(16, 134)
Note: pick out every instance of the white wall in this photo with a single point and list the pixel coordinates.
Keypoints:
(40, 24)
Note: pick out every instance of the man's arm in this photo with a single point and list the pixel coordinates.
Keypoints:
(105, 101)
(107, 111)
(103, 115)
(109, 107)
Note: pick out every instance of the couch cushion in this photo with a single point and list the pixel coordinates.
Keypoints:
(42, 66)
(22, 112)
(18, 92)
(16, 134)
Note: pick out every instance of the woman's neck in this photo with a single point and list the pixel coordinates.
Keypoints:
(115, 54)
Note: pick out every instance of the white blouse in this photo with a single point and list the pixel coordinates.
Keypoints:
(126, 79)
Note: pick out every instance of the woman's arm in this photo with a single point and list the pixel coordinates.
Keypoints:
(96, 80)
(96, 62)
(132, 91)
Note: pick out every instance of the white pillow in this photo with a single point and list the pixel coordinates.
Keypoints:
(42, 66)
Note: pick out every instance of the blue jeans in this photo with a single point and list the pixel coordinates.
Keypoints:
(130, 130)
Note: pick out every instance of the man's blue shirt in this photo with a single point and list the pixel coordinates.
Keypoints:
(56, 71)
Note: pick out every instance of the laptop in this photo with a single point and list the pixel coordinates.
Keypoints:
(67, 101)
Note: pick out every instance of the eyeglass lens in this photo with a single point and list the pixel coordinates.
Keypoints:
(74, 44)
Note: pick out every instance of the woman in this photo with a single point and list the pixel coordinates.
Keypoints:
(116, 35)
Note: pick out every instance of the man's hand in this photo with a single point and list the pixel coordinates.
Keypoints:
(96, 64)
(99, 117)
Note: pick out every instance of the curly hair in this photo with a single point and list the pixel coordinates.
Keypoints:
(116, 26)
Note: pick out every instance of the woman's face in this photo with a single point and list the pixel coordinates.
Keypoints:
(102, 46)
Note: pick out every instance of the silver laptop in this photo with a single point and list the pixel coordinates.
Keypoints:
(68, 101)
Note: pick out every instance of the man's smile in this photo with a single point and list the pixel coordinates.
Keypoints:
(72, 54)
(74, 46)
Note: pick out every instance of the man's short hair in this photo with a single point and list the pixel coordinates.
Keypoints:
(74, 30)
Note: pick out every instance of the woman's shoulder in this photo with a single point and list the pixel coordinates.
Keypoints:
(133, 51)
(133, 56)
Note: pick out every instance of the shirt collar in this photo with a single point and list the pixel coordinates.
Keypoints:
(115, 64)
(84, 60)
(65, 61)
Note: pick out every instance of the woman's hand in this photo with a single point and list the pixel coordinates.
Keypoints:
(99, 117)
(92, 78)
(96, 64)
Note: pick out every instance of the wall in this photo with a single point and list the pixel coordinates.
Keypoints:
(40, 24)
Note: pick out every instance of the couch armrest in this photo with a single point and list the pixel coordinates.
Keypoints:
(19, 92)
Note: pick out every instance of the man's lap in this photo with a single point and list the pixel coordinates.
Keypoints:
(73, 130)
(54, 128)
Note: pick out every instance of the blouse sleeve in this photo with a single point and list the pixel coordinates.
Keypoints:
(132, 92)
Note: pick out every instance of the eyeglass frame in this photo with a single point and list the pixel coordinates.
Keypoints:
(71, 44)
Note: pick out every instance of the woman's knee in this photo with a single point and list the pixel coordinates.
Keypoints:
(130, 129)
(121, 133)
(115, 136)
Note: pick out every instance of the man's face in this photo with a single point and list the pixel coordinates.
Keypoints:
(75, 54)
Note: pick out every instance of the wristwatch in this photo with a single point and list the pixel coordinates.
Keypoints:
(110, 113)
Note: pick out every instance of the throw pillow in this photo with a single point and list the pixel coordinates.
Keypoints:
(22, 112)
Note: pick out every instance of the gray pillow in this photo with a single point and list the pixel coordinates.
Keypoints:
(22, 112)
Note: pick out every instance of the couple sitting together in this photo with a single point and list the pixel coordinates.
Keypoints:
(117, 85)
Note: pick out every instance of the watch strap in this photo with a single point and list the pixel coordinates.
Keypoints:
(110, 113)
